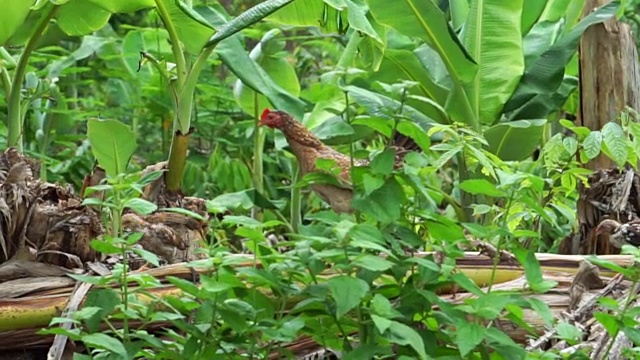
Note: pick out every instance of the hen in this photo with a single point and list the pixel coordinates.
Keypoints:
(308, 149)
(620, 234)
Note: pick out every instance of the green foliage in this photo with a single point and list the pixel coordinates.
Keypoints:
(478, 85)
(112, 143)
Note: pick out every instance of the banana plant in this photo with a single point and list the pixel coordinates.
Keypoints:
(500, 67)
(197, 32)
(194, 34)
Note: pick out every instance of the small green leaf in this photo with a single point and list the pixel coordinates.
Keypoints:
(468, 336)
(348, 292)
(241, 220)
(592, 145)
(568, 332)
(542, 309)
(382, 164)
(112, 144)
(104, 299)
(401, 334)
(147, 256)
(481, 186)
(106, 342)
(105, 247)
(141, 206)
(382, 324)
(480, 209)
(371, 183)
(616, 143)
(533, 272)
(184, 285)
(373, 263)
(384, 204)
(415, 133)
(608, 321)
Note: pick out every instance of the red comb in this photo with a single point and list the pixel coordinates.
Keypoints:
(265, 113)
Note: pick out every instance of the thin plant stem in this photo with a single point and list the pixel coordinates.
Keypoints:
(296, 200)
(14, 116)
(259, 136)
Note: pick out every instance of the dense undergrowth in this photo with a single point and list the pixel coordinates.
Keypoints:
(500, 162)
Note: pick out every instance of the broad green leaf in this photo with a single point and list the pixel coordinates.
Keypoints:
(151, 40)
(504, 345)
(120, 6)
(141, 206)
(241, 220)
(616, 143)
(533, 272)
(89, 46)
(81, 17)
(384, 204)
(12, 16)
(592, 145)
(468, 336)
(424, 20)
(543, 104)
(104, 299)
(192, 29)
(515, 140)
(492, 37)
(347, 292)
(106, 342)
(233, 54)
(531, 11)
(542, 309)
(246, 19)
(381, 323)
(335, 131)
(386, 107)
(415, 133)
(269, 55)
(481, 186)
(357, 16)
(366, 232)
(401, 334)
(312, 13)
(371, 50)
(541, 37)
(410, 68)
(608, 321)
(372, 262)
(555, 10)
(112, 144)
(383, 163)
(545, 75)
(568, 332)
(105, 247)
(459, 10)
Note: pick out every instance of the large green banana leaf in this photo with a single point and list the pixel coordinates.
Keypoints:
(492, 36)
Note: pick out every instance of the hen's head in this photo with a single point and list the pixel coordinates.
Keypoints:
(273, 119)
(607, 226)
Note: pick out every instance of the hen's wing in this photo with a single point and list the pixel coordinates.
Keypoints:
(343, 162)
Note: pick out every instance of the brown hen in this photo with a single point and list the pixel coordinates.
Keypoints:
(308, 149)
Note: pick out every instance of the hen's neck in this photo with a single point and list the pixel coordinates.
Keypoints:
(297, 133)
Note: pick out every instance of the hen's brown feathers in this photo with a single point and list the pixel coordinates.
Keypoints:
(308, 148)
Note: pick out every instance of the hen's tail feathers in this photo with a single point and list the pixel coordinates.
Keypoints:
(403, 144)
